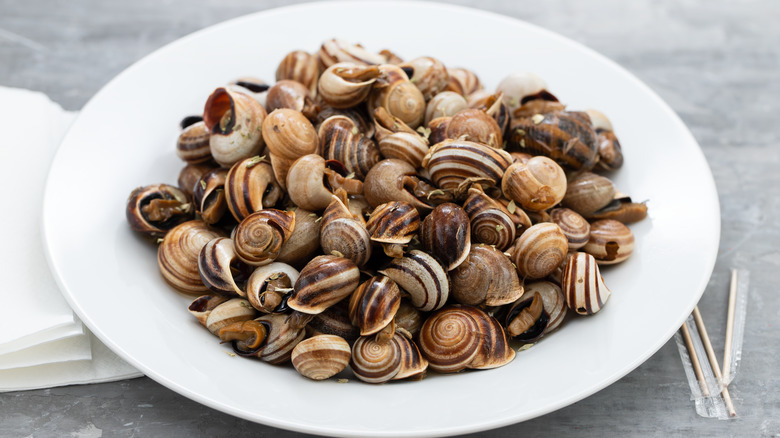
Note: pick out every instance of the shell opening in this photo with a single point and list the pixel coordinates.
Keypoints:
(219, 111)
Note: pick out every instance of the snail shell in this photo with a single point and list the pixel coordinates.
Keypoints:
(486, 277)
(444, 104)
(573, 225)
(321, 357)
(302, 67)
(155, 209)
(566, 137)
(191, 175)
(345, 85)
(413, 364)
(249, 186)
(304, 240)
(282, 338)
(620, 209)
(259, 237)
(374, 304)
(306, 182)
(428, 74)
(475, 125)
(405, 146)
(393, 180)
(408, 318)
(358, 115)
(209, 195)
(446, 235)
(526, 319)
(291, 95)
(536, 185)
(495, 351)
(323, 282)
(520, 87)
(334, 321)
(343, 235)
(375, 362)
(234, 120)
(463, 81)
(341, 140)
(491, 224)
(610, 241)
(216, 264)
(193, 143)
(582, 284)
(422, 277)
(610, 152)
(229, 312)
(289, 136)
(393, 223)
(251, 86)
(268, 285)
(588, 192)
(451, 162)
(177, 255)
(553, 300)
(539, 250)
(391, 58)
(493, 105)
(202, 306)
(400, 97)
(337, 50)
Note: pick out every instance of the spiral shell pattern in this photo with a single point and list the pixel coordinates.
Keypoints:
(450, 340)
(282, 338)
(539, 250)
(216, 263)
(177, 255)
(422, 277)
(233, 119)
(404, 146)
(536, 185)
(574, 226)
(566, 137)
(341, 140)
(413, 364)
(495, 350)
(485, 277)
(374, 304)
(451, 162)
(610, 241)
(249, 186)
(231, 311)
(300, 66)
(347, 237)
(321, 357)
(259, 237)
(582, 284)
(323, 282)
(375, 362)
(192, 145)
(490, 222)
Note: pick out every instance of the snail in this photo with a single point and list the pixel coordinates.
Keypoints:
(486, 277)
(209, 195)
(177, 255)
(302, 67)
(289, 136)
(376, 361)
(552, 299)
(304, 240)
(270, 337)
(521, 87)
(155, 209)
(536, 185)
(341, 140)
(610, 241)
(202, 306)
(231, 311)
(463, 81)
(610, 152)
(254, 87)
(268, 286)
(444, 104)
(566, 137)
(292, 95)
(394, 92)
(345, 85)
(250, 186)
(374, 304)
(587, 192)
(311, 181)
(422, 277)
(491, 223)
(191, 175)
(446, 235)
(539, 250)
(428, 74)
(494, 106)
(220, 268)
(234, 120)
(342, 234)
(582, 284)
(526, 319)
(358, 115)
(472, 125)
(321, 357)
(573, 225)
(336, 50)
(193, 144)
(259, 237)
(622, 209)
(396, 180)
(334, 320)
(397, 140)
(452, 162)
(323, 282)
(393, 224)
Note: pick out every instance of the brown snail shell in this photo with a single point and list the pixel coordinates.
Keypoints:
(413, 364)
(408, 318)
(582, 284)
(234, 120)
(536, 185)
(394, 92)
(344, 235)
(526, 319)
(385, 124)
(193, 143)
(268, 285)
(588, 192)
(337, 50)
(304, 240)
(428, 74)
(358, 115)
(393, 224)
(155, 209)
(345, 85)
(302, 67)
(281, 337)
(444, 104)
(374, 361)
(610, 152)
(217, 263)
(463, 81)
(229, 312)
(292, 95)
(539, 250)
(334, 320)
(610, 242)
(520, 87)
(374, 304)
(553, 300)
(306, 182)
(422, 277)
(495, 351)
(321, 357)
(405, 146)
(566, 137)
(177, 255)
(202, 306)
(391, 58)
(491, 224)
(494, 106)
(394, 180)
(323, 282)
(209, 195)
(486, 277)
(289, 136)
(250, 186)
(537, 106)
(519, 217)
(191, 175)
(451, 162)
(446, 235)
(475, 125)
(573, 225)
(621, 209)
(341, 140)
(259, 237)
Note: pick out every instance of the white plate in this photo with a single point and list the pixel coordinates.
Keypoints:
(125, 138)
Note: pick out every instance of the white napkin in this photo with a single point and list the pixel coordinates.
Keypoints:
(42, 343)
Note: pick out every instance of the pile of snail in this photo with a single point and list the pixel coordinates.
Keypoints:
(387, 215)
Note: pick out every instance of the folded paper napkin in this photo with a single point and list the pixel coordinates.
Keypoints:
(42, 343)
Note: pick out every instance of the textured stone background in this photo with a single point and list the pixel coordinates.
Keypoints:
(715, 62)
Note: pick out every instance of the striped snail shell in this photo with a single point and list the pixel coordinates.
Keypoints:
(321, 357)
(209, 195)
(413, 364)
(588, 192)
(177, 255)
(393, 224)
(610, 152)
(155, 209)
(229, 312)
(451, 162)
(394, 180)
(404, 146)
(304, 240)
(422, 277)
(491, 224)
(338, 50)
(553, 300)
(269, 284)
(259, 237)
(495, 351)
(323, 282)
(292, 95)
(563, 136)
(346, 85)
(519, 217)
(386, 124)
(582, 284)
(428, 74)
(307, 179)
(408, 318)
(234, 120)
(334, 320)
(346, 237)
(463, 81)
(358, 115)
(374, 361)
(539, 250)
(475, 125)
(341, 140)
(250, 186)
(574, 226)
(446, 235)
(374, 304)
(202, 306)
(536, 185)
(282, 336)
(444, 104)
(191, 174)
(493, 105)
(394, 92)
(526, 319)
(218, 266)
(610, 241)
(486, 277)
(289, 136)
(622, 209)
(302, 67)
(192, 145)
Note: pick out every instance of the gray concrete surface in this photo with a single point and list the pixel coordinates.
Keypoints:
(715, 62)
